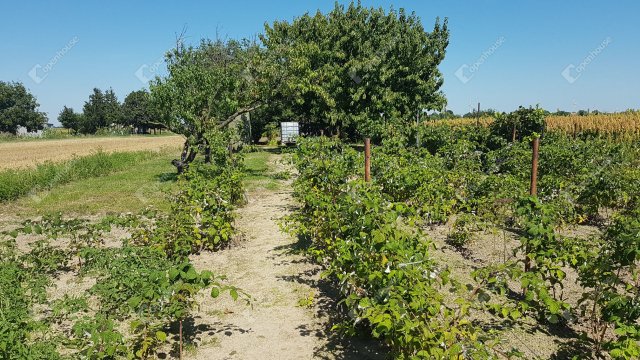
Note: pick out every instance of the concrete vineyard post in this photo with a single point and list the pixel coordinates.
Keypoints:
(367, 159)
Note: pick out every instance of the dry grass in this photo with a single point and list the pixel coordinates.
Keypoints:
(30, 153)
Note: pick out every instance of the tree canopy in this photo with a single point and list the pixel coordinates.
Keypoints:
(18, 108)
(352, 71)
(137, 111)
(70, 119)
(207, 87)
(355, 68)
(101, 110)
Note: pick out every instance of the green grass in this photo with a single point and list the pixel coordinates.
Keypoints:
(21, 182)
(131, 188)
(258, 172)
(135, 186)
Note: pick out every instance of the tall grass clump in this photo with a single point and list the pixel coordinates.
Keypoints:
(15, 183)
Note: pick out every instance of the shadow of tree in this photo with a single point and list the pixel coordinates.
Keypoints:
(336, 344)
(191, 334)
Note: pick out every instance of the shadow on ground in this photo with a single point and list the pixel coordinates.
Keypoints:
(336, 344)
(191, 334)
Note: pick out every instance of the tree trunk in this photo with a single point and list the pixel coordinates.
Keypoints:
(207, 152)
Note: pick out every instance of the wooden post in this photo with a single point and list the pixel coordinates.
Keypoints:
(478, 116)
(367, 159)
(180, 353)
(418, 129)
(533, 190)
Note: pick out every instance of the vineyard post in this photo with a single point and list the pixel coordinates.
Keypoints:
(418, 129)
(478, 116)
(367, 159)
(533, 190)
(180, 351)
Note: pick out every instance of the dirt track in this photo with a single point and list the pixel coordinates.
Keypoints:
(292, 311)
(23, 154)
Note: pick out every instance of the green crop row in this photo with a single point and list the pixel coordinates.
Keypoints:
(370, 237)
(140, 291)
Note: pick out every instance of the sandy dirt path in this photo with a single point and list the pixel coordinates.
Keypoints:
(21, 154)
(266, 265)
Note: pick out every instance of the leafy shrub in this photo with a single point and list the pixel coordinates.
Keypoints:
(524, 121)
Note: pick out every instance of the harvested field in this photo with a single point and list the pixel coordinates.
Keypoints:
(30, 153)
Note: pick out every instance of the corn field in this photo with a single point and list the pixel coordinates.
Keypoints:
(626, 124)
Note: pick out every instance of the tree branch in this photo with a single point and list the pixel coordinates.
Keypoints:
(238, 113)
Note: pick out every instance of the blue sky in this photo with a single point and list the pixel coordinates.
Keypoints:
(559, 54)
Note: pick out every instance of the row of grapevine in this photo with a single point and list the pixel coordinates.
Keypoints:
(141, 288)
(373, 239)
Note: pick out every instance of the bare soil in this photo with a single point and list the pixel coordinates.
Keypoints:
(534, 340)
(292, 309)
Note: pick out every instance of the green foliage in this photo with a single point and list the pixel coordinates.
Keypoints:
(544, 255)
(201, 213)
(18, 107)
(361, 231)
(19, 289)
(70, 120)
(461, 235)
(96, 337)
(147, 285)
(21, 182)
(384, 271)
(609, 269)
(524, 122)
(101, 110)
(138, 111)
(207, 87)
(339, 71)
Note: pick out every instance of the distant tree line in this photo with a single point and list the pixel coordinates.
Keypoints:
(103, 110)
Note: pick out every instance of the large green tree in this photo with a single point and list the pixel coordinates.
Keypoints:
(112, 108)
(70, 119)
(101, 110)
(206, 88)
(137, 111)
(18, 108)
(94, 113)
(352, 69)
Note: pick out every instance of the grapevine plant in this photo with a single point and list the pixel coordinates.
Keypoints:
(372, 237)
(142, 290)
